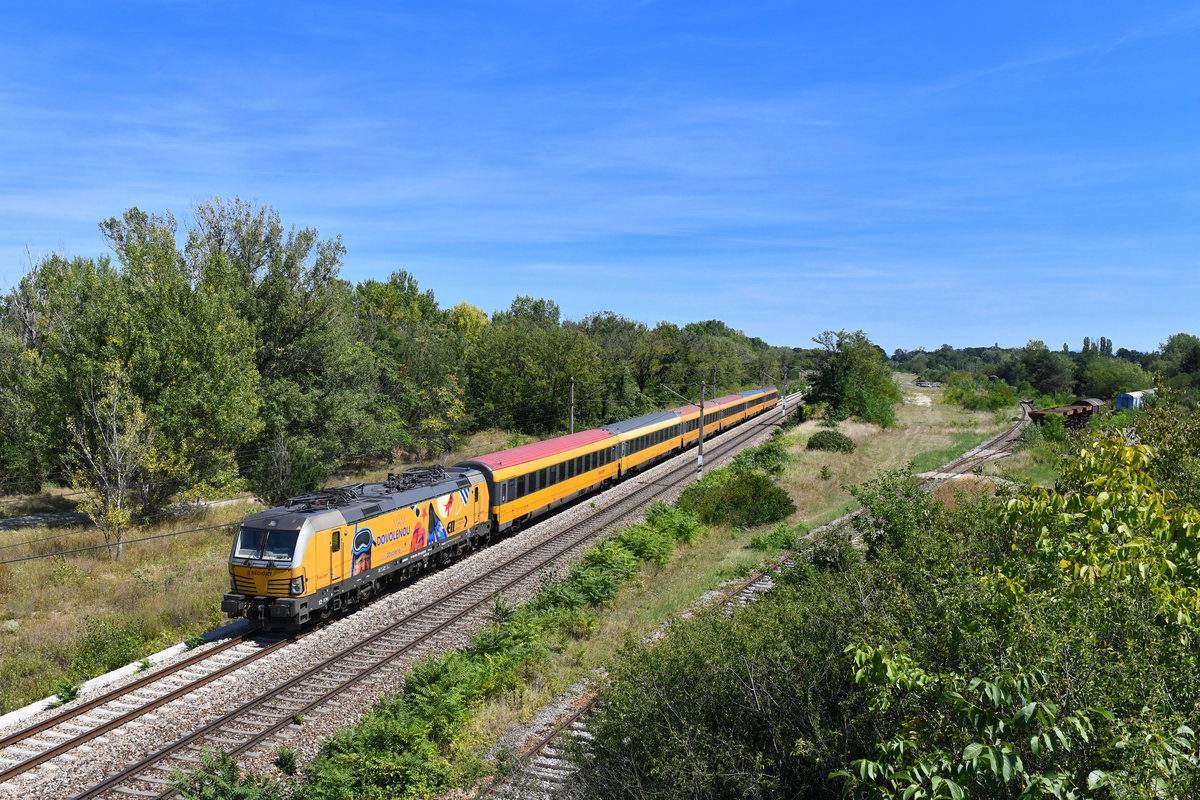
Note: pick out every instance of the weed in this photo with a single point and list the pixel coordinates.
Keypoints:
(297, 718)
(781, 537)
(143, 665)
(285, 759)
(65, 691)
(194, 641)
(64, 572)
(826, 472)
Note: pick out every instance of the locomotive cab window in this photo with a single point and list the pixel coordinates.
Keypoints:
(266, 545)
(335, 541)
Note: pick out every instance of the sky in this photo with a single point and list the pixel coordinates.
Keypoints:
(930, 173)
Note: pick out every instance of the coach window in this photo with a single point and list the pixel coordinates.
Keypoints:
(520, 486)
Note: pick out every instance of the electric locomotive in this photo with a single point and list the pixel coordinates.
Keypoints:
(333, 548)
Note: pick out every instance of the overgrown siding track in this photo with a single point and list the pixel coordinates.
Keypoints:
(541, 772)
(308, 688)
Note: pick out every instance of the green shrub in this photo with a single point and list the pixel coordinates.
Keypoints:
(781, 537)
(646, 543)
(832, 441)
(65, 691)
(675, 522)
(746, 498)
(1053, 428)
(220, 777)
(285, 759)
(768, 457)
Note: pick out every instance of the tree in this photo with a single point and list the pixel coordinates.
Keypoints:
(519, 372)
(1105, 377)
(316, 381)
(115, 454)
(853, 379)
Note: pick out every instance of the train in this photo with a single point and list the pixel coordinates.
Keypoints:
(335, 548)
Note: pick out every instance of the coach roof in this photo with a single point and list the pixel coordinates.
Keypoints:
(644, 421)
(536, 450)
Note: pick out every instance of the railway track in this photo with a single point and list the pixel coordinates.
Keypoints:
(80, 723)
(61, 743)
(543, 771)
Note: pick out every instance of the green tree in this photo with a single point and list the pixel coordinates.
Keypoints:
(853, 379)
(519, 372)
(317, 382)
(1106, 377)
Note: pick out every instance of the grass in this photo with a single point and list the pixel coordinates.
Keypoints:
(931, 460)
(70, 617)
(1034, 465)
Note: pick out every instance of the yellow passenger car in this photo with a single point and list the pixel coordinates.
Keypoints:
(527, 481)
(648, 438)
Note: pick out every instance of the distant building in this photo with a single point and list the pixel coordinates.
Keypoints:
(1133, 399)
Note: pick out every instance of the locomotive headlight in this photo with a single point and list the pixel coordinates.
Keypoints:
(298, 585)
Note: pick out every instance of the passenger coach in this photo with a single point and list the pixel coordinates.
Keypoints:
(527, 481)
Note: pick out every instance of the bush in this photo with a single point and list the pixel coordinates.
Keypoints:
(832, 441)
(675, 522)
(768, 457)
(746, 498)
(219, 776)
(1054, 429)
(781, 537)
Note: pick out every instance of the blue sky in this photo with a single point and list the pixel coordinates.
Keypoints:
(929, 173)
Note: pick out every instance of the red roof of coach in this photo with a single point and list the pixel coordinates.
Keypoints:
(536, 450)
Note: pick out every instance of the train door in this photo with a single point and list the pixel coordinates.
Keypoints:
(335, 557)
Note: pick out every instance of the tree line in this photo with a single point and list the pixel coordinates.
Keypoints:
(1095, 370)
(226, 354)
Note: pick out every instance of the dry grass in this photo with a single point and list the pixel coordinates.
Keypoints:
(166, 588)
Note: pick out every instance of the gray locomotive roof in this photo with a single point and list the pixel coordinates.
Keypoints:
(640, 422)
(374, 499)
